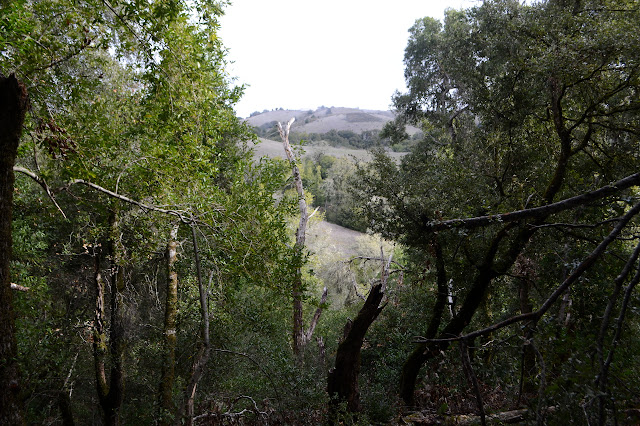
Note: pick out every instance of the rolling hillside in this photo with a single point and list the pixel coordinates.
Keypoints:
(273, 149)
(324, 119)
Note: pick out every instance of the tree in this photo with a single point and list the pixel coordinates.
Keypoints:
(300, 337)
(132, 127)
(522, 107)
(14, 101)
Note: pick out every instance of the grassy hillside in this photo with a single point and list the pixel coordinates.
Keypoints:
(273, 149)
(323, 120)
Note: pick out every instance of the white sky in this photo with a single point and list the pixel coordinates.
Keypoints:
(301, 54)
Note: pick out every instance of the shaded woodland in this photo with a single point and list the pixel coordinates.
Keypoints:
(153, 271)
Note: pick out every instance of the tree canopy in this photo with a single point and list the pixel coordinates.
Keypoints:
(157, 275)
(525, 109)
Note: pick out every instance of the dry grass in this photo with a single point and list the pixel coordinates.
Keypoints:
(323, 120)
(274, 149)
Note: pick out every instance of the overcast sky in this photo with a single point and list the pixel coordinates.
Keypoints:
(301, 54)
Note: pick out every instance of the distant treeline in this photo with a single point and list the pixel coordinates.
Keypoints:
(339, 138)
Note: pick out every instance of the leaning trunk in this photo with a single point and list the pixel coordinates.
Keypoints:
(13, 105)
(411, 367)
(342, 382)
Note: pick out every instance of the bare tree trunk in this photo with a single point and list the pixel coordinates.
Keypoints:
(171, 313)
(342, 381)
(13, 105)
(297, 332)
(299, 337)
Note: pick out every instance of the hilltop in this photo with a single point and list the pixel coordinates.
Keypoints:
(324, 120)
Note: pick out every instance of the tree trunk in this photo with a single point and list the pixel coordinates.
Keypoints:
(171, 313)
(528, 362)
(487, 271)
(297, 332)
(200, 361)
(13, 105)
(342, 381)
(411, 367)
(100, 336)
(110, 391)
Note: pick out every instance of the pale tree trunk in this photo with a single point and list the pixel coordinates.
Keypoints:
(171, 313)
(299, 336)
(13, 105)
(564, 312)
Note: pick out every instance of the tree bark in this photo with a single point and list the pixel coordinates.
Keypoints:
(200, 361)
(100, 335)
(297, 332)
(411, 367)
(342, 381)
(13, 105)
(110, 390)
(171, 313)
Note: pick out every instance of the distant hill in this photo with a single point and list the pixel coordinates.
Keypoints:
(324, 119)
(273, 149)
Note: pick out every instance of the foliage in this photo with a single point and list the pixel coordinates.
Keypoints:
(134, 98)
(521, 106)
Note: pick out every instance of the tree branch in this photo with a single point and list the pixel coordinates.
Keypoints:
(42, 183)
(536, 315)
(537, 212)
(316, 317)
(177, 213)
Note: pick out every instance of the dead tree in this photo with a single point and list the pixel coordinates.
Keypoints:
(342, 382)
(299, 337)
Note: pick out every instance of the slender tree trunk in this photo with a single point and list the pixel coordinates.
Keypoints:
(171, 313)
(528, 362)
(13, 105)
(201, 359)
(487, 271)
(299, 337)
(110, 390)
(100, 336)
(411, 367)
(342, 381)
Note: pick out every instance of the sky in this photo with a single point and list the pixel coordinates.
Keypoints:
(302, 54)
